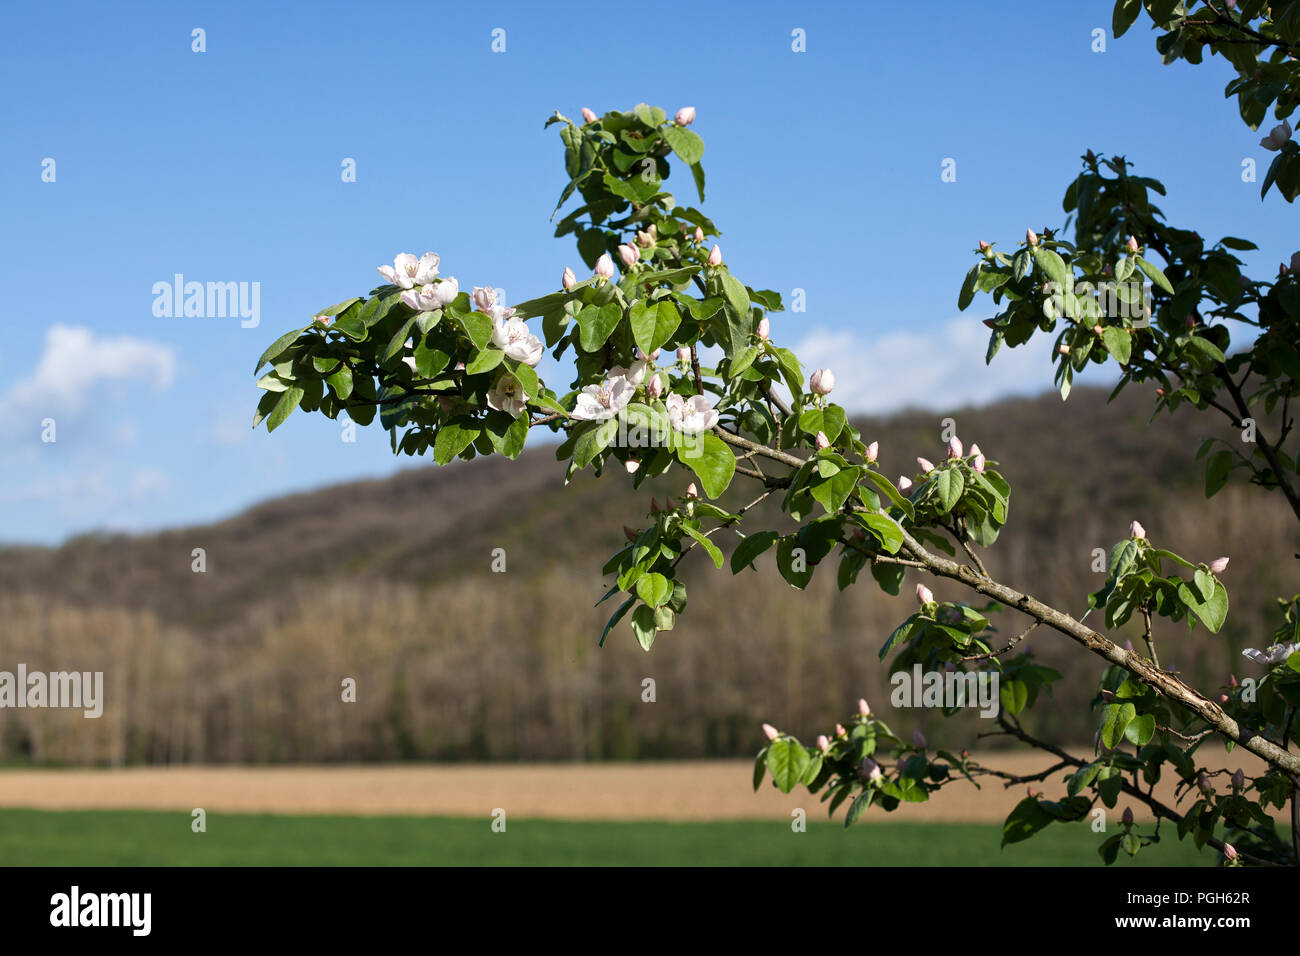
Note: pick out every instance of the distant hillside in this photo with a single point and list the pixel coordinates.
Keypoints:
(389, 582)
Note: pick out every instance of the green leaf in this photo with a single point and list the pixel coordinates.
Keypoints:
(1115, 718)
(643, 626)
(278, 346)
(667, 319)
(654, 589)
(832, 492)
(697, 171)
(1213, 612)
(885, 529)
(1140, 730)
(507, 433)
(688, 146)
(1026, 819)
(596, 324)
(1014, 695)
(1119, 343)
(486, 360)
(750, 548)
(1217, 469)
(477, 326)
(714, 551)
(341, 382)
(712, 461)
(289, 400)
(1155, 275)
(787, 761)
(949, 485)
(453, 438)
(593, 441)
(1053, 267)
(643, 318)
(1124, 16)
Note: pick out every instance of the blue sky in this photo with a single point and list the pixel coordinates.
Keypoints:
(823, 169)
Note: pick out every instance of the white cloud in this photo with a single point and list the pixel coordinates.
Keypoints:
(75, 366)
(938, 367)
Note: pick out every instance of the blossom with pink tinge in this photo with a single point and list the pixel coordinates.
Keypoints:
(1229, 851)
(588, 115)
(984, 246)
(954, 447)
(569, 280)
(772, 732)
(407, 272)
(1219, 565)
(484, 298)
(978, 463)
(1278, 137)
(1031, 237)
(873, 450)
(692, 491)
(715, 255)
(1063, 349)
(1128, 816)
(1135, 530)
(1132, 244)
(764, 329)
(823, 441)
(1239, 779)
(904, 484)
(926, 465)
(605, 266)
(822, 381)
(631, 465)
(629, 254)
(863, 708)
(923, 594)
(918, 738)
(1031, 791)
(685, 116)
(655, 387)
(870, 770)
(698, 234)
(683, 354)
(823, 743)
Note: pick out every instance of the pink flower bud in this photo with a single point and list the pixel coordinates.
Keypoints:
(1063, 349)
(1127, 645)
(873, 450)
(685, 116)
(1224, 698)
(975, 449)
(1203, 783)
(1238, 779)
(323, 319)
(870, 770)
(918, 738)
(629, 255)
(823, 744)
(984, 246)
(588, 115)
(630, 533)
(1232, 680)
(698, 234)
(1132, 244)
(1031, 237)
(923, 594)
(764, 329)
(605, 266)
(823, 441)
(954, 447)
(1219, 565)
(654, 506)
(772, 732)
(631, 465)
(1128, 816)
(655, 387)
(1229, 851)
(978, 463)
(840, 731)
(692, 491)
(1031, 791)
(569, 280)
(822, 381)
(484, 298)
(1136, 530)
(863, 708)
(684, 354)
(926, 465)
(715, 255)
(904, 484)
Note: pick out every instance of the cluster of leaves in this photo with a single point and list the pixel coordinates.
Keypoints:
(1259, 38)
(1137, 582)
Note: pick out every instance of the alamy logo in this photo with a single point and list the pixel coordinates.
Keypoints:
(210, 300)
(947, 689)
(102, 909)
(74, 689)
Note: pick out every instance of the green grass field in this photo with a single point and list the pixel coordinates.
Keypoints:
(149, 838)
